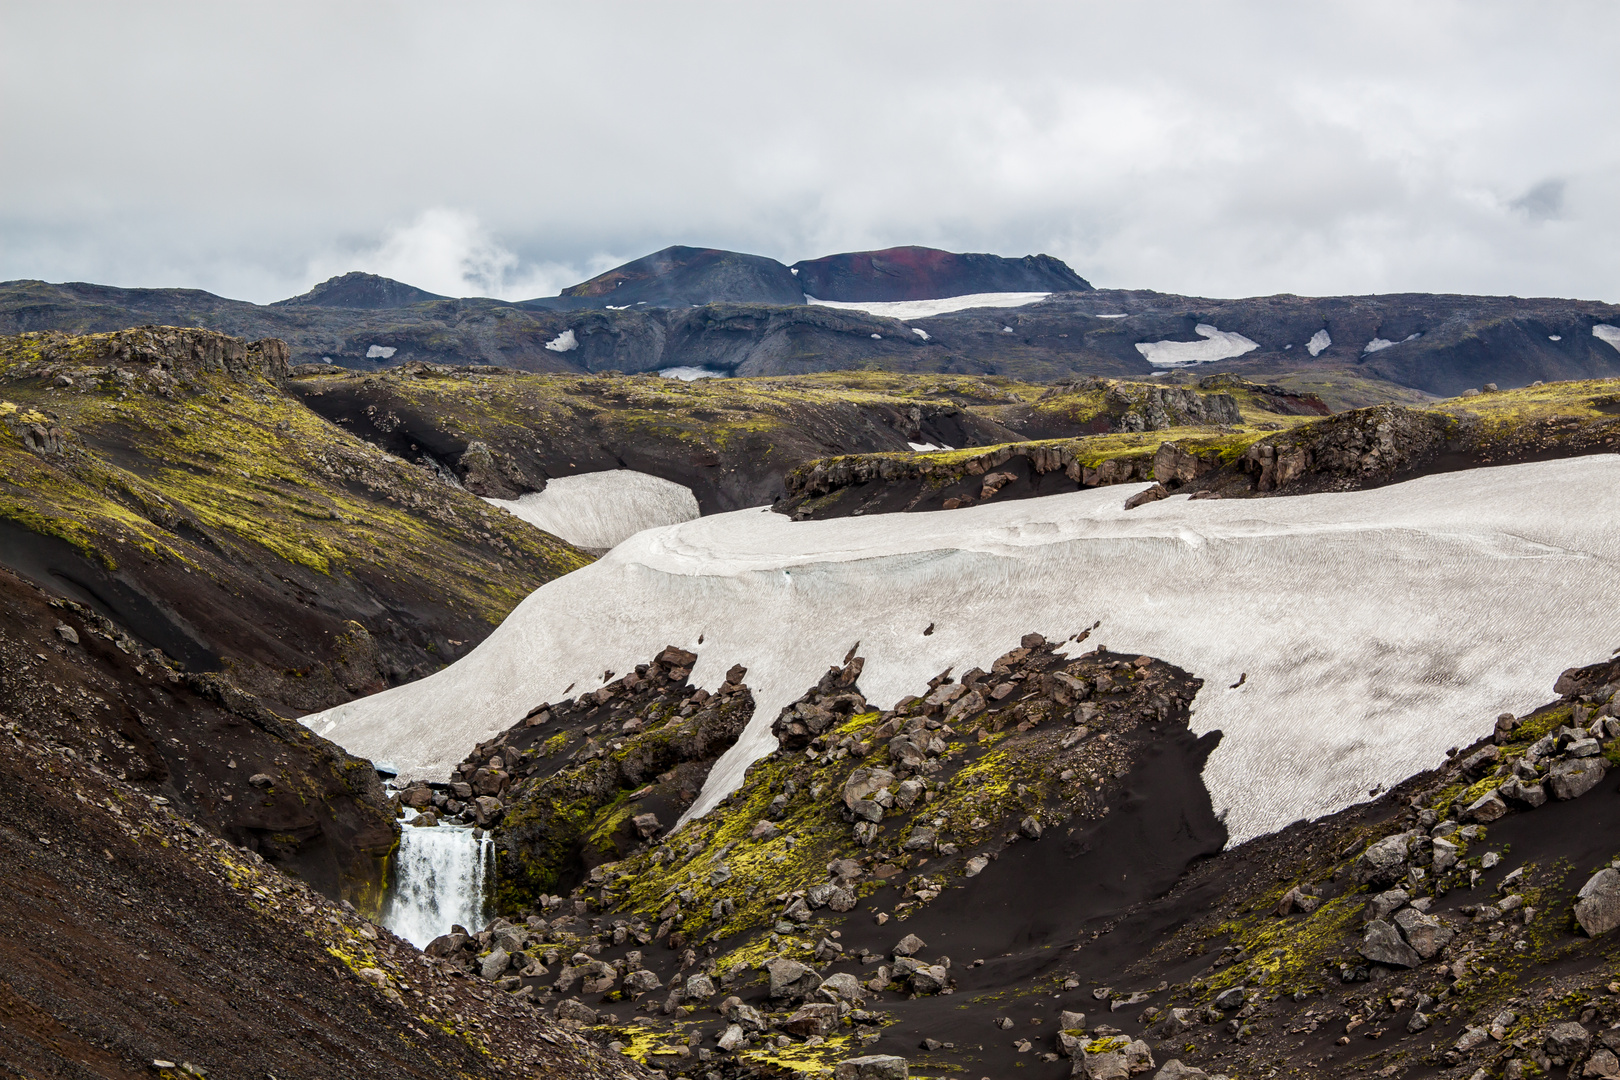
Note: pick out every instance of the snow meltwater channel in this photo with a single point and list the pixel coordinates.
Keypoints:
(598, 510)
(1345, 640)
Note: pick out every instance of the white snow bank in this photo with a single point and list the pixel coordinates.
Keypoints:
(1319, 341)
(1217, 345)
(1376, 628)
(1605, 332)
(1121, 315)
(922, 309)
(601, 509)
(690, 374)
(563, 342)
(1379, 344)
(920, 333)
(920, 446)
(380, 352)
(1555, 337)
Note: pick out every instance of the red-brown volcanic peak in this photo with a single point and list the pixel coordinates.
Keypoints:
(919, 273)
(685, 275)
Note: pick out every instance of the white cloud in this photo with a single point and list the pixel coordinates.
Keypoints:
(1229, 150)
(447, 252)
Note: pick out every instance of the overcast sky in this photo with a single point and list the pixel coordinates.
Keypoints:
(512, 149)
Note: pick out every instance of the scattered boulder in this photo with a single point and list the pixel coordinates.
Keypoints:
(872, 1067)
(1573, 778)
(1386, 904)
(1487, 808)
(1425, 933)
(1231, 998)
(1567, 1042)
(577, 1011)
(732, 1038)
(864, 783)
(1382, 944)
(1383, 862)
(909, 945)
(1519, 791)
(1597, 905)
(1113, 1059)
(791, 980)
(1175, 1070)
(841, 987)
(812, 1018)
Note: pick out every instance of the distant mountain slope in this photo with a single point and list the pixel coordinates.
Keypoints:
(687, 275)
(1365, 346)
(920, 273)
(367, 292)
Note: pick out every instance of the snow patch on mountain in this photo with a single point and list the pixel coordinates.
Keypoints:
(563, 342)
(1217, 345)
(922, 309)
(1605, 332)
(602, 509)
(1319, 342)
(1375, 628)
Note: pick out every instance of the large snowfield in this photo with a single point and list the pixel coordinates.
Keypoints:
(598, 510)
(922, 309)
(1370, 630)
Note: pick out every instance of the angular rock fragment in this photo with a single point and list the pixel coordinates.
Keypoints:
(1382, 944)
(1574, 778)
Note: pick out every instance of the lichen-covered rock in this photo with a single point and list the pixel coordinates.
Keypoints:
(1487, 808)
(1520, 791)
(1113, 1059)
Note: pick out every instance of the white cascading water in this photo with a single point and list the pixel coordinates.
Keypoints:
(441, 877)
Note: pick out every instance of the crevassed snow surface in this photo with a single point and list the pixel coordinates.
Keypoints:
(1217, 345)
(563, 342)
(1605, 332)
(691, 374)
(922, 309)
(601, 509)
(1319, 341)
(1376, 628)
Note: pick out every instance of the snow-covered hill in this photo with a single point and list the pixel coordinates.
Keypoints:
(1369, 630)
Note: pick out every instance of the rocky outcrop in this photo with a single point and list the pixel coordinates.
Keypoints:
(683, 276)
(585, 781)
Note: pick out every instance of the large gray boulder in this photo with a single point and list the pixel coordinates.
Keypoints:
(1426, 934)
(791, 980)
(1175, 1070)
(1597, 905)
(872, 1067)
(1114, 1059)
(1383, 862)
(1520, 791)
(1382, 944)
(1485, 809)
(1574, 778)
(1567, 1042)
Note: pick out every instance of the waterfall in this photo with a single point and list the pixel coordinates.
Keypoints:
(441, 877)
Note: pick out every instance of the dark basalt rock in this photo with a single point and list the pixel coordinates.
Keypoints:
(366, 292)
(920, 273)
(685, 275)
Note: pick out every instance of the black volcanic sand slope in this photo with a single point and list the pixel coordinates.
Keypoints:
(1022, 867)
(135, 942)
(216, 754)
(1437, 344)
(165, 479)
(1196, 451)
(919, 273)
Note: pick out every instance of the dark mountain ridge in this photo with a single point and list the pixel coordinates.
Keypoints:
(920, 273)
